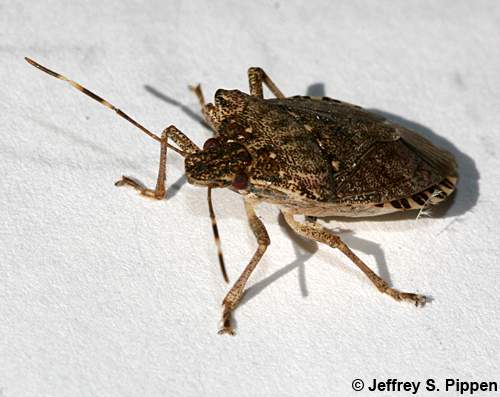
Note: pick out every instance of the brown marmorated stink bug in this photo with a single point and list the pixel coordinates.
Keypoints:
(311, 156)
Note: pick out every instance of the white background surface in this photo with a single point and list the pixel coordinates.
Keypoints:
(105, 293)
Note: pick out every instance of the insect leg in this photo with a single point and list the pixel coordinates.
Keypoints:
(257, 77)
(159, 192)
(207, 110)
(177, 136)
(319, 233)
(234, 295)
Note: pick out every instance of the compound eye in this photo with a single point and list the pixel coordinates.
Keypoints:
(244, 157)
(240, 181)
(210, 143)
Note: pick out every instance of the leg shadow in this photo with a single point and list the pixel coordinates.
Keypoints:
(303, 248)
(369, 248)
(160, 95)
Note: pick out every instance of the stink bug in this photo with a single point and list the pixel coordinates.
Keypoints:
(311, 156)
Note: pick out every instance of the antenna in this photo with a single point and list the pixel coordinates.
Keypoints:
(101, 101)
(216, 235)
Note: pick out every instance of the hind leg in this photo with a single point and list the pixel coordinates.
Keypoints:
(318, 233)
(234, 296)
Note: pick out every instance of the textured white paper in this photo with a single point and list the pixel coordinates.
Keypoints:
(104, 293)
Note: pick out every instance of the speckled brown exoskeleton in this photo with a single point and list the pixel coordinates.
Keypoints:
(311, 156)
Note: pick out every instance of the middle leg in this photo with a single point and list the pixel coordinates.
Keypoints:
(234, 296)
(207, 109)
(257, 78)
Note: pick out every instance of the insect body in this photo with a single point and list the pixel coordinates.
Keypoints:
(310, 156)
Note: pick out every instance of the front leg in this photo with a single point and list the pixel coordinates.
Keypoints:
(234, 296)
(316, 232)
(159, 192)
(207, 109)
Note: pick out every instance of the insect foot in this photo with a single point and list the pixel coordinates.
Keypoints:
(225, 323)
(143, 191)
(419, 300)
